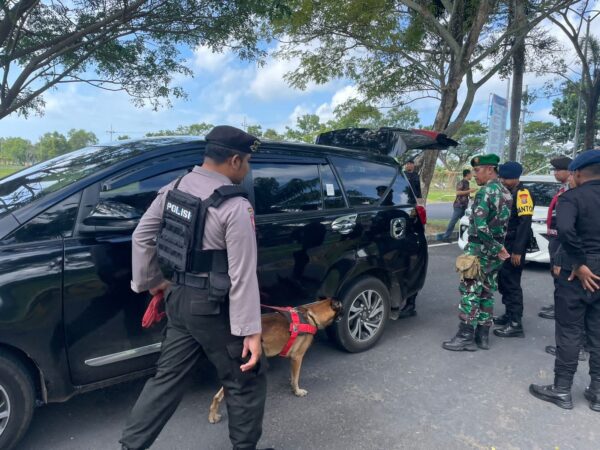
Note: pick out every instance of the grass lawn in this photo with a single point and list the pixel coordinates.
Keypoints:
(7, 170)
(437, 225)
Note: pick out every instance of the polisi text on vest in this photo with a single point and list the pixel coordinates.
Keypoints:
(179, 211)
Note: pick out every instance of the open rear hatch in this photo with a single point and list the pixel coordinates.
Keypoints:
(394, 142)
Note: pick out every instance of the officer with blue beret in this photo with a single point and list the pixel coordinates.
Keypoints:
(577, 293)
(518, 236)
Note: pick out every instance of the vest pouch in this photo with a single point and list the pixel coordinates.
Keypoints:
(200, 304)
(218, 286)
(468, 266)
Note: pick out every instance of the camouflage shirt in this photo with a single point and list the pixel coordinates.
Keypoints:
(489, 219)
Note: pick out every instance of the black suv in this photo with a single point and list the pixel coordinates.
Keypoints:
(329, 222)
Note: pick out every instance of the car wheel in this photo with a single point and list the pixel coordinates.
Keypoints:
(366, 313)
(17, 400)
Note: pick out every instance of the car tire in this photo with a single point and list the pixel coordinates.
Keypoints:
(17, 400)
(366, 311)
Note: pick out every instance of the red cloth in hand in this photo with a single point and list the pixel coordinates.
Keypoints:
(155, 311)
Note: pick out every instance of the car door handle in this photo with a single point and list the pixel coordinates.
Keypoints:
(344, 224)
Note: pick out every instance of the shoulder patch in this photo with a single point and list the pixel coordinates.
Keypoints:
(524, 203)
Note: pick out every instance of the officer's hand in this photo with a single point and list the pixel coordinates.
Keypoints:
(473, 190)
(253, 345)
(161, 287)
(503, 254)
(589, 279)
(515, 260)
(556, 271)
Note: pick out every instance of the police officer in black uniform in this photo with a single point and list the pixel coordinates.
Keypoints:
(577, 295)
(197, 241)
(518, 235)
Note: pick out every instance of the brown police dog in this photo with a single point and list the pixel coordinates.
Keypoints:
(275, 334)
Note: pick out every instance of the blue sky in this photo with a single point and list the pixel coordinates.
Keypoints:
(224, 90)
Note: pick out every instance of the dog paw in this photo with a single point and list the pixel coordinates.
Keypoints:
(300, 392)
(214, 418)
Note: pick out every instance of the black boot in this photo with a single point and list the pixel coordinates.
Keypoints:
(514, 328)
(463, 341)
(482, 336)
(558, 393)
(409, 309)
(547, 314)
(501, 320)
(592, 393)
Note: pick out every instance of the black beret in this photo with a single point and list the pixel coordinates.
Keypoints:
(561, 162)
(585, 159)
(231, 138)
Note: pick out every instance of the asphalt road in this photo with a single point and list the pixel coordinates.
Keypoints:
(406, 393)
(439, 210)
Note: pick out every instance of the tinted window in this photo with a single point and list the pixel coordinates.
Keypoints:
(364, 182)
(542, 192)
(332, 193)
(54, 223)
(280, 188)
(400, 193)
(140, 194)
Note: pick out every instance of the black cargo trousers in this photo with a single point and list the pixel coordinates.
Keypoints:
(188, 337)
(577, 312)
(509, 285)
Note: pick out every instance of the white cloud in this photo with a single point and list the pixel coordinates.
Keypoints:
(205, 59)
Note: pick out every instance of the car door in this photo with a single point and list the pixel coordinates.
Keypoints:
(102, 314)
(296, 201)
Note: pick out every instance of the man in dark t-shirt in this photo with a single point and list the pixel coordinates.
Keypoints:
(461, 202)
(413, 179)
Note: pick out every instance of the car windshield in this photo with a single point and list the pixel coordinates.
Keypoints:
(542, 192)
(39, 180)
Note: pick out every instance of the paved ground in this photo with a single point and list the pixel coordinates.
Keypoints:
(442, 210)
(406, 393)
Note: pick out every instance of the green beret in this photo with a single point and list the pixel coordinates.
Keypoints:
(485, 160)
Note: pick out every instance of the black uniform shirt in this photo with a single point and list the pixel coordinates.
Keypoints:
(415, 182)
(518, 232)
(578, 222)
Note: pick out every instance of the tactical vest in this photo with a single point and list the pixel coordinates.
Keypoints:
(179, 241)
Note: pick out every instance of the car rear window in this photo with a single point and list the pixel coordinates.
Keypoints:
(541, 192)
(365, 182)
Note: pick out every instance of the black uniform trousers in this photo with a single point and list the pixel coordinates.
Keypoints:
(577, 311)
(188, 337)
(509, 286)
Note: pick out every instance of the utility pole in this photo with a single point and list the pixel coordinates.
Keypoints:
(245, 124)
(111, 132)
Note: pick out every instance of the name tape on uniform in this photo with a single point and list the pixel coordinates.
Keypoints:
(179, 211)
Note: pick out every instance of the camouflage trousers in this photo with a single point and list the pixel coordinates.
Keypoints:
(477, 296)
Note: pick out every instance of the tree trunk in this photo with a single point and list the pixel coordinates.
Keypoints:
(447, 106)
(518, 59)
(591, 112)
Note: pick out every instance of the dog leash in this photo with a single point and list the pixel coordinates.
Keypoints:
(297, 327)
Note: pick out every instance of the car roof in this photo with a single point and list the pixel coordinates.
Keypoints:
(539, 178)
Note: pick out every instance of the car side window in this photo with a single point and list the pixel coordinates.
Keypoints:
(400, 193)
(54, 223)
(141, 193)
(281, 188)
(332, 192)
(365, 182)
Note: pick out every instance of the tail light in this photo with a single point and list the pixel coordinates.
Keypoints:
(421, 214)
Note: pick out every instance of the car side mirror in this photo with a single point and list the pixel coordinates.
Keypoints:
(113, 216)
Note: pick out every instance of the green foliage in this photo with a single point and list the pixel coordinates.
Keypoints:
(196, 129)
(471, 137)
(51, 145)
(16, 150)
(80, 138)
(129, 45)
(564, 108)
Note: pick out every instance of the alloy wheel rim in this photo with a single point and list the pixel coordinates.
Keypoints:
(365, 315)
(4, 409)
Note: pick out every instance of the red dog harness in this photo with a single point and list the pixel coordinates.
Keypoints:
(298, 325)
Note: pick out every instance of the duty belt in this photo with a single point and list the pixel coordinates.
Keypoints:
(190, 279)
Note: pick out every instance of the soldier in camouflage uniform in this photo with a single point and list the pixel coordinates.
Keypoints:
(487, 228)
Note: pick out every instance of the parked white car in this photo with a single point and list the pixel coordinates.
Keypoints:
(542, 188)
